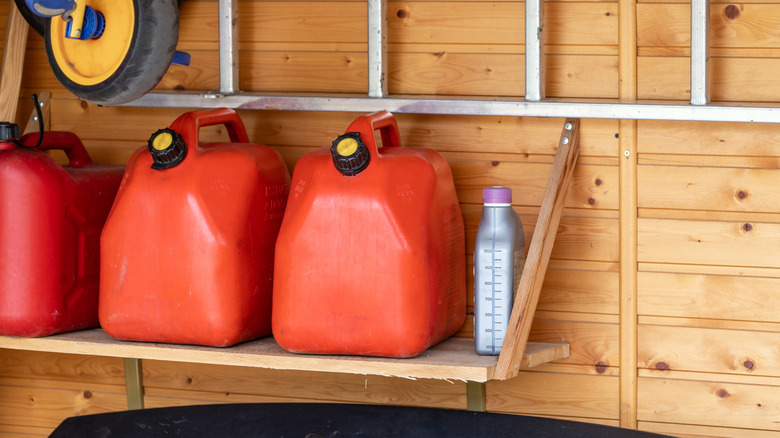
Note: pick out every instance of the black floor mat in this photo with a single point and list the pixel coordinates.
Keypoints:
(313, 420)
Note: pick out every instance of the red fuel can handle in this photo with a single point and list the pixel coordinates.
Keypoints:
(189, 124)
(68, 142)
(382, 121)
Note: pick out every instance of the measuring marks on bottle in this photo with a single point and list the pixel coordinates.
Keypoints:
(495, 300)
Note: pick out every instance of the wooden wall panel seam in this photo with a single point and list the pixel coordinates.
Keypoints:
(627, 61)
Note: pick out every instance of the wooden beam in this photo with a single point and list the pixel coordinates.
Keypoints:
(529, 289)
(12, 64)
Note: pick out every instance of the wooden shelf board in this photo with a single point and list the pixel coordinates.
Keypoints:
(453, 359)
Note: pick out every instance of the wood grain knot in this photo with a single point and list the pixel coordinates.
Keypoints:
(495, 163)
(742, 194)
(747, 227)
(662, 366)
(598, 182)
(731, 12)
(401, 13)
(601, 367)
(591, 201)
(189, 380)
(87, 394)
(748, 364)
(722, 393)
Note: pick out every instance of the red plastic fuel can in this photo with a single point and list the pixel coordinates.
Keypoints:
(370, 258)
(50, 222)
(187, 251)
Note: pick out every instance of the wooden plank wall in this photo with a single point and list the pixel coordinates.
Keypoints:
(705, 198)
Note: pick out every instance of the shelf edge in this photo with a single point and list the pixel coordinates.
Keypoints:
(265, 353)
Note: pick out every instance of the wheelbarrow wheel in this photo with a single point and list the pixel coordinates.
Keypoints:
(37, 23)
(123, 64)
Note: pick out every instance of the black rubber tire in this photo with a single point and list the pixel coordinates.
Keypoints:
(36, 22)
(155, 35)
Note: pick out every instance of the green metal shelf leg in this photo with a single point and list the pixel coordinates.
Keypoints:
(134, 383)
(476, 396)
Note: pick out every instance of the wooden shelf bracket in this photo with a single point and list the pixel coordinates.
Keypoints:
(529, 289)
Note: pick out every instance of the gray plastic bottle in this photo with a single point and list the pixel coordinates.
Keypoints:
(499, 256)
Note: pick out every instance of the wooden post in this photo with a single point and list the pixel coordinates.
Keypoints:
(12, 64)
(530, 287)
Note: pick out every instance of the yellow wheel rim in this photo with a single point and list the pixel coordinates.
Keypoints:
(91, 62)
